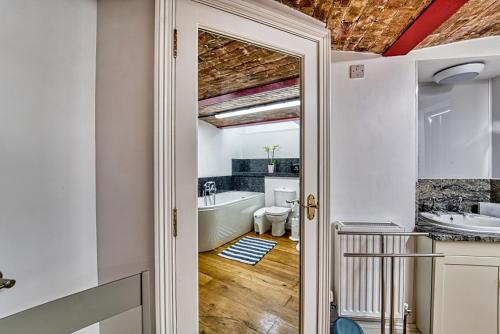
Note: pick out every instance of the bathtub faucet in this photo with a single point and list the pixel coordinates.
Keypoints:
(209, 192)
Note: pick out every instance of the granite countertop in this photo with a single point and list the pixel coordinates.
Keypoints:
(439, 233)
(260, 174)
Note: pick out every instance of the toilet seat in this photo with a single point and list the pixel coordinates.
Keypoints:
(277, 211)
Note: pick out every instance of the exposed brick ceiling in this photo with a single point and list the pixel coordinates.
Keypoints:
(362, 25)
(477, 18)
(227, 65)
(374, 25)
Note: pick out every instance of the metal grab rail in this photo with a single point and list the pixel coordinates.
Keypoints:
(383, 256)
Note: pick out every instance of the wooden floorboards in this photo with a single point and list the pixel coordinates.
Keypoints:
(241, 298)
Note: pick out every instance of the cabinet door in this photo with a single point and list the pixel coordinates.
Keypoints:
(466, 295)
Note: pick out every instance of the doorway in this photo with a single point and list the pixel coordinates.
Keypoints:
(249, 149)
(260, 23)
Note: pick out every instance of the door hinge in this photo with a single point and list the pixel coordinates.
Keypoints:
(174, 222)
(175, 43)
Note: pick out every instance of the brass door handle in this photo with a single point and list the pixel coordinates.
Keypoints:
(6, 283)
(311, 206)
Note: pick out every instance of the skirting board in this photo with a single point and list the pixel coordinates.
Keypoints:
(373, 327)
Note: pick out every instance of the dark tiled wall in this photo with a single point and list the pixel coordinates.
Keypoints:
(495, 191)
(284, 167)
(249, 183)
(223, 183)
(447, 192)
(249, 174)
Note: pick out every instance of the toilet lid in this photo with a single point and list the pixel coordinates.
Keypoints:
(277, 211)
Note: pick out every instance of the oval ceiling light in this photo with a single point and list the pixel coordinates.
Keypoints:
(455, 74)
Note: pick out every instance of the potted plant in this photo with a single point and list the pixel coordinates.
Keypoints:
(271, 162)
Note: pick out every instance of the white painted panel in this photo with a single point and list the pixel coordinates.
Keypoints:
(47, 149)
(454, 130)
(373, 142)
(495, 114)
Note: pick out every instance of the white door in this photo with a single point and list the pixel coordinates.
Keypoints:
(190, 17)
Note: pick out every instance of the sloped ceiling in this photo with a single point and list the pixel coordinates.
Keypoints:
(374, 25)
(477, 18)
(362, 25)
(227, 66)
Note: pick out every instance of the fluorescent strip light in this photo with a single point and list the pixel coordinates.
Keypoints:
(438, 114)
(268, 107)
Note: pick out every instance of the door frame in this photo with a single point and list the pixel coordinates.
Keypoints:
(275, 15)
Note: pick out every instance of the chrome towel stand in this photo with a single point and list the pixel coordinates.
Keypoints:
(391, 256)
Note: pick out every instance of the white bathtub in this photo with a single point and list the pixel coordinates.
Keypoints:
(229, 218)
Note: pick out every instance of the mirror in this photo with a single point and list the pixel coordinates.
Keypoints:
(249, 153)
(459, 118)
(458, 133)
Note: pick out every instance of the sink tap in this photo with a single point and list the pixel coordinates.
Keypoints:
(460, 206)
(433, 207)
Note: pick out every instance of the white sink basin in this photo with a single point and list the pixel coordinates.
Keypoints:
(468, 222)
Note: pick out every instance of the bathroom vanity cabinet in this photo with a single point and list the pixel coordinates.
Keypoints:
(460, 292)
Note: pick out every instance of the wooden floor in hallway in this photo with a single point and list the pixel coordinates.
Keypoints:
(241, 298)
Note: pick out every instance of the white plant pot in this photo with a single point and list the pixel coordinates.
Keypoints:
(270, 169)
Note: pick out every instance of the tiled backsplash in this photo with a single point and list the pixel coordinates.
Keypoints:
(284, 167)
(495, 191)
(249, 174)
(249, 183)
(448, 191)
(223, 183)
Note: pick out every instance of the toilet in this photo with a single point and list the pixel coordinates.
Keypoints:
(275, 217)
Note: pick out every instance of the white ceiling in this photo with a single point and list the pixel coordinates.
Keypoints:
(427, 68)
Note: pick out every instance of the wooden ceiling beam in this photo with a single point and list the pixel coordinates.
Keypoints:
(431, 18)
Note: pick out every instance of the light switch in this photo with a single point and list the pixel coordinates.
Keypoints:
(356, 71)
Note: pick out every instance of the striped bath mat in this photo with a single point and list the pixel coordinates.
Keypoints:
(248, 250)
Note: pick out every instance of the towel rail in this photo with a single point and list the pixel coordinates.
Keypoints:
(391, 257)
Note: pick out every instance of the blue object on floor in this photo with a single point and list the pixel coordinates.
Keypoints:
(345, 326)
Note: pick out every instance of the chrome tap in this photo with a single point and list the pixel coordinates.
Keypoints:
(460, 205)
(209, 192)
(433, 207)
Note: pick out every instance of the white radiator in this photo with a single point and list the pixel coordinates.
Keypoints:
(357, 280)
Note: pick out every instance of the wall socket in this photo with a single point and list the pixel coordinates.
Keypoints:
(356, 71)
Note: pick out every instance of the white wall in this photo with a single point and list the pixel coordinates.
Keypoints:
(454, 130)
(374, 166)
(495, 112)
(487, 46)
(254, 138)
(47, 165)
(217, 147)
(271, 183)
(125, 146)
(373, 142)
